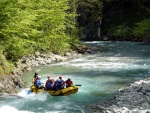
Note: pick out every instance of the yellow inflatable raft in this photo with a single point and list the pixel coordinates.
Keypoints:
(62, 92)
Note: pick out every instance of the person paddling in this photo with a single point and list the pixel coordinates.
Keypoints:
(34, 78)
(38, 83)
(69, 82)
(59, 83)
(49, 83)
(60, 78)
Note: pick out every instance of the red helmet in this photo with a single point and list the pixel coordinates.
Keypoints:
(48, 76)
(60, 77)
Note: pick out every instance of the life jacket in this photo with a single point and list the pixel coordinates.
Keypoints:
(68, 83)
(37, 83)
(58, 85)
(62, 81)
(48, 85)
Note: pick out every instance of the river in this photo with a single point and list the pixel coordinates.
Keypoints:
(113, 66)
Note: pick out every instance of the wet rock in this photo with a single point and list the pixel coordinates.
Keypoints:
(132, 99)
(67, 54)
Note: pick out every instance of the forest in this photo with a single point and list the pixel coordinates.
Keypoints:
(115, 20)
(27, 26)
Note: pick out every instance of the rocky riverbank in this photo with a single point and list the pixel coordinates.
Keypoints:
(133, 99)
(38, 59)
(8, 83)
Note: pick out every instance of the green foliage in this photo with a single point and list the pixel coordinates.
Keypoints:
(142, 29)
(90, 15)
(119, 31)
(35, 25)
(125, 18)
(5, 66)
(16, 48)
(91, 8)
(27, 26)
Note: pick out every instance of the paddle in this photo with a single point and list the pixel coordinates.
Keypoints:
(29, 91)
(78, 85)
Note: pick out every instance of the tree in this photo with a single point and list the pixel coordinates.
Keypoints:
(142, 29)
(36, 25)
(90, 16)
(121, 18)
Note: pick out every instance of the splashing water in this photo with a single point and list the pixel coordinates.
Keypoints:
(101, 74)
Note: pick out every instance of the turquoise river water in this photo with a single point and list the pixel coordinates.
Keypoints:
(113, 66)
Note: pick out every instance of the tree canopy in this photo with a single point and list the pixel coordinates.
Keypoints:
(126, 19)
(36, 25)
(27, 26)
(54, 26)
(116, 19)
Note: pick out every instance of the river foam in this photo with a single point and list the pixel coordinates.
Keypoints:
(8, 109)
(100, 75)
(32, 96)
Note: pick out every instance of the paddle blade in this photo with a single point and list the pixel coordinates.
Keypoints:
(78, 85)
(28, 92)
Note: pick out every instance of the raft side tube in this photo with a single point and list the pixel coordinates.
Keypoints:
(62, 92)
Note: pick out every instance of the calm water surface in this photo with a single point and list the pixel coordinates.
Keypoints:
(114, 65)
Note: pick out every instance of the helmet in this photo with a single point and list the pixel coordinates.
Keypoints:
(69, 78)
(48, 76)
(60, 77)
(39, 77)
